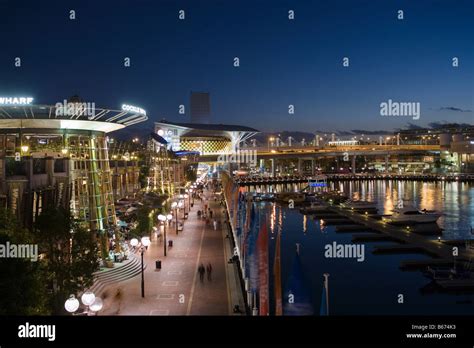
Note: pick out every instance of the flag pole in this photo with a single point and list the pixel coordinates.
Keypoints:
(326, 285)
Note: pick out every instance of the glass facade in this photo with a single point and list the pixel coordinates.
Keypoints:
(60, 168)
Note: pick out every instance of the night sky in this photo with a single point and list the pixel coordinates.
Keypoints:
(282, 62)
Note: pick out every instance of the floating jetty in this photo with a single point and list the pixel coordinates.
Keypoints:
(419, 265)
(456, 284)
(352, 228)
(371, 237)
(398, 249)
(324, 215)
(457, 242)
(339, 221)
(443, 252)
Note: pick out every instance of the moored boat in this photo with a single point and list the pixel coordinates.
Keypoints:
(411, 215)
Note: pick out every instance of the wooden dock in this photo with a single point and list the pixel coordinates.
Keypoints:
(338, 221)
(456, 284)
(420, 265)
(351, 228)
(442, 251)
(371, 237)
(398, 249)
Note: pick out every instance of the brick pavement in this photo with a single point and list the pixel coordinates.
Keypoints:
(176, 288)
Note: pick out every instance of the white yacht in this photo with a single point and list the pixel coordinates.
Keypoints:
(412, 215)
(356, 205)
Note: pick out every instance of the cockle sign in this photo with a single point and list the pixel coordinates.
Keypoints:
(132, 108)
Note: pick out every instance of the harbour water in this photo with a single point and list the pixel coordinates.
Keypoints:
(374, 286)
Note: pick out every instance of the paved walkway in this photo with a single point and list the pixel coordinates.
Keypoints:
(176, 289)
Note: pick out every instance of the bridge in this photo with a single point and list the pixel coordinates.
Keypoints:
(344, 153)
(330, 151)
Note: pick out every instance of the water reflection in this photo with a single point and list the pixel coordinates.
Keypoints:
(380, 274)
(454, 200)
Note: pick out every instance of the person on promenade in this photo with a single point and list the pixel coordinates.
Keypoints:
(201, 271)
(210, 213)
(209, 271)
(215, 224)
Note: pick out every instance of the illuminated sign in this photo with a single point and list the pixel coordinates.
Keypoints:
(317, 184)
(126, 107)
(15, 100)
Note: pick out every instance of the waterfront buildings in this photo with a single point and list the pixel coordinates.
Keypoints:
(206, 139)
(57, 155)
(168, 170)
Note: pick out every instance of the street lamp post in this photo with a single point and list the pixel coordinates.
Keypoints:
(145, 243)
(71, 304)
(189, 203)
(165, 219)
(188, 195)
(169, 217)
(180, 205)
(88, 299)
(181, 198)
(174, 206)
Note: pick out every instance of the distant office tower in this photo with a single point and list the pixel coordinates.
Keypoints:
(200, 107)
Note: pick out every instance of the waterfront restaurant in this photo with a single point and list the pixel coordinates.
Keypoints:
(57, 155)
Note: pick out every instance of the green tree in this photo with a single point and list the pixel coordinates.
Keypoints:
(22, 284)
(143, 175)
(144, 222)
(71, 255)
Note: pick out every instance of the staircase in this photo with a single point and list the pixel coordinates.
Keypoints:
(131, 268)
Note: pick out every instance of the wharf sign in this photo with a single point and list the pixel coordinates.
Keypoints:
(126, 107)
(16, 100)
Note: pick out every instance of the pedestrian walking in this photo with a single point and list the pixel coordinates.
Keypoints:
(209, 271)
(215, 224)
(201, 271)
(210, 213)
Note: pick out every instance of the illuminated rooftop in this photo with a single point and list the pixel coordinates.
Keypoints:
(84, 116)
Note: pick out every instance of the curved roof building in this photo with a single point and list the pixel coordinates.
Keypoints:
(57, 155)
(207, 139)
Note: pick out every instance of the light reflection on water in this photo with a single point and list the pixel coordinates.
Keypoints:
(454, 200)
(371, 287)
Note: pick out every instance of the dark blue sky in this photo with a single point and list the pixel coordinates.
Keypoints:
(282, 62)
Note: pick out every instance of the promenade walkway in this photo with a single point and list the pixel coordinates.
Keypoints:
(176, 289)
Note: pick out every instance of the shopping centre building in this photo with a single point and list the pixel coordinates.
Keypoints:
(206, 139)
(57, 155)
